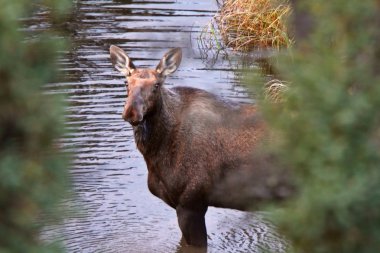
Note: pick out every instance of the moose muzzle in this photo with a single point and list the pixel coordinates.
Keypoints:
(134, 111)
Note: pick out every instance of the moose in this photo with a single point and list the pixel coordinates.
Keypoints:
(192, 141)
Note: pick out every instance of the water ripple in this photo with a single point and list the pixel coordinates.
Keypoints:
(112, 209)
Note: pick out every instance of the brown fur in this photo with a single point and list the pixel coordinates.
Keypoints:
(193, 143)
(190, 143)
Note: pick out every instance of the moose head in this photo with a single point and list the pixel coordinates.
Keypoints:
(143, 85)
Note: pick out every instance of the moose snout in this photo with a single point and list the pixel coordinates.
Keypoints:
(133, 114)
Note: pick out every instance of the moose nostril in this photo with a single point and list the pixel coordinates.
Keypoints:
(126, 114)
(131, 116)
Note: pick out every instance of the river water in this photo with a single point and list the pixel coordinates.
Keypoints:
(112, 209)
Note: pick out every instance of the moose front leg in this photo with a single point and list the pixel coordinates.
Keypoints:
(193, 226)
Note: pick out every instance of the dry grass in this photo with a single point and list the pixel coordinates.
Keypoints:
(210, 45)
(274, 89)
(249, 24)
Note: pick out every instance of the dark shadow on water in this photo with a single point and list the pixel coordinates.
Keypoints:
(184, 248)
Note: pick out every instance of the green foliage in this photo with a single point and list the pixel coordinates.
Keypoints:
(32, 168)
(328, 129)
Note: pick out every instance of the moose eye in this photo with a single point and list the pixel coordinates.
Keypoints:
(156, 85)
(126, 83)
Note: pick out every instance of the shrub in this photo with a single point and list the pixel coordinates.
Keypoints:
(329, 128)
(32, 168)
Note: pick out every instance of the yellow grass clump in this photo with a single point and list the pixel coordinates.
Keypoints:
(274, 89)
(249, 24)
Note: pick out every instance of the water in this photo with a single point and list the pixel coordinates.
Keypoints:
(113, 210)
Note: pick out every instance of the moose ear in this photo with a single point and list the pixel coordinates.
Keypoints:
(170, 62)
(121, 61)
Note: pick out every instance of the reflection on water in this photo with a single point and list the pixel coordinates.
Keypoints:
(113, 211)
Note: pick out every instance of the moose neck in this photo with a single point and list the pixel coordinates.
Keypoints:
(159, 123)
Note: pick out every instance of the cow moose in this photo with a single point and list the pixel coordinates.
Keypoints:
(191, 140)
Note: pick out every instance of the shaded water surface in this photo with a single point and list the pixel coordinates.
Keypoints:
(113, 210)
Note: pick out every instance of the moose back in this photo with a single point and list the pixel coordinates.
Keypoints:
(191, 140)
